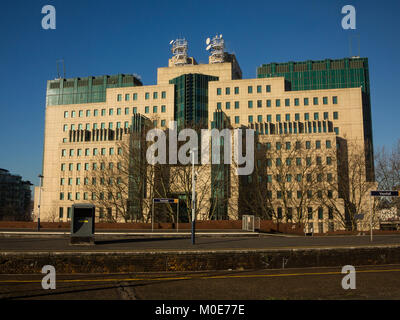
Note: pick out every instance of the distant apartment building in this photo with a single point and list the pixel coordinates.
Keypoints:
(309, 119)
(15, 197)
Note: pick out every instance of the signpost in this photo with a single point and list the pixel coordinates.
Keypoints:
(165, 200)
(382, 193)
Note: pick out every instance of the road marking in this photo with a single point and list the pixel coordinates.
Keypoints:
(204, 277)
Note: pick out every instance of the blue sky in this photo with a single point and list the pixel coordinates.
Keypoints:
(109, 37)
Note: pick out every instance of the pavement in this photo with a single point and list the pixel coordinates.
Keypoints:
(372, 282)
(104, 243)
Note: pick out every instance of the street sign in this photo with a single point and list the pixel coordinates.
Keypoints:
(384, 193)
(165, 200)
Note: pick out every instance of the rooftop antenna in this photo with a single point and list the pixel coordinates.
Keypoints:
(357, 36)
(58, 62)
(179, 51)
(217, 47)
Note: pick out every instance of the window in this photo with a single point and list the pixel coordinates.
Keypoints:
(308, 144)
(259, 118)
(297, 116)
(62, 181)
(163, 94)
(61, 195)
(65, 127)
(278, 118)
(236, 90)
(163, 109)
(319, 160)
(155, 95)
(315, 101)
(336, 129)
(71, 167)
(80, 113)
(61, 212)
(146, 109)
(118, 125)
(70, 181)
(127, 96)
(237, 119)
(219, 105)
(259, 90)
(65, 114)
(119, 111)
(78, 167)
(278, 162)
(218, 91)
(95, 112)
(269, 118)
(71, 152)
(298, 162)
(134, 110)
(287, 102)
(278, 102)
(268, 88)
(325, 100)
(134, 96)
(73, 114)
(268, 103)
(110, 111)
(288, 145)
(328, 160)
(249, 89)
(287, 117)
(95, 151)
(227, 105)
(250, 104)
(119, 97)
(103, 112)
(236, 104)
(259, 103)
(306, 116)
(250, 119)
(306, 101)
(78, 181)
(326, 115)
(320, 213)
(318, 144)
(147, 96)
(334, 100)
(328, 144)
(162, 123)
(316, 116)
(227, 90)
(62, 166)
(154, 109)
(296, 101)
(335, 115)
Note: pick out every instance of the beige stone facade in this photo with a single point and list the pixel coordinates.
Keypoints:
(255, 103)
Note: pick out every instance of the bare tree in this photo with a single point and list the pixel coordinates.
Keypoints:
(349, 184)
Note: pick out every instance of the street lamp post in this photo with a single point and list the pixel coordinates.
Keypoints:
(193, 197)
(40, 191)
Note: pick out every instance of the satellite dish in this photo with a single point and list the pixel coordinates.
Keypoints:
(208, 47)
(208, 41)
(172, 41)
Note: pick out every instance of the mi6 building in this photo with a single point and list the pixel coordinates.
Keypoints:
(313, 146)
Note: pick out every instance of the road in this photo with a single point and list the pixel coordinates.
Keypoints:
(372, 282)
(214, 243)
